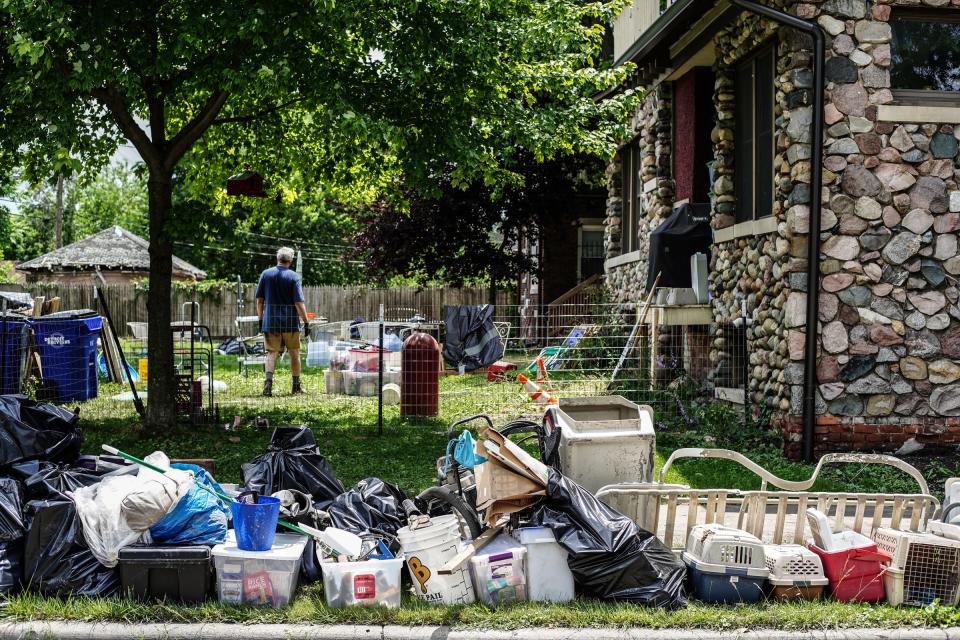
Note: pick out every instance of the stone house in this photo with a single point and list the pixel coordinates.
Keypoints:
(726, 119)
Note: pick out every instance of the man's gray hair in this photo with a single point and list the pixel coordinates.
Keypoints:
(285, 255)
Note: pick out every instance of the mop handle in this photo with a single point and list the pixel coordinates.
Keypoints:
(222, 496)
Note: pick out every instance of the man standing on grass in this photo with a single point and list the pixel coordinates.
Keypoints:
(281, 310)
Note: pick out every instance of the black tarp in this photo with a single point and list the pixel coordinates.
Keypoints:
(31, 430)
(472, 340)
(685, 232)
(292, 461)
(611, 558)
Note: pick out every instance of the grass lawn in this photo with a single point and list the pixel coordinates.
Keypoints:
(405, 455)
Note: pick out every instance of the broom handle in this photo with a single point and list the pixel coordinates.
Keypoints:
(143, 463)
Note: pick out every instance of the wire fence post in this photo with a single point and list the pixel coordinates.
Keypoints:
(380, 375)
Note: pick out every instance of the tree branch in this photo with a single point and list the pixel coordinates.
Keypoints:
(110, 98)
(259, 114)
(192, 131)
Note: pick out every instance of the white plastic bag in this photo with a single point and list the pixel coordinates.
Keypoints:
(119, 510)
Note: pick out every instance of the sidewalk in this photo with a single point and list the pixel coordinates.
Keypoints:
(116, 631)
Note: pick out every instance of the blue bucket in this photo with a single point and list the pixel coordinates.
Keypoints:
(255, 524)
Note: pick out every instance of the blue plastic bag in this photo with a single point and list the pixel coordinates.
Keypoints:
(199, 518)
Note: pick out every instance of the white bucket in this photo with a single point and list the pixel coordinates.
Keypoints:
(429, 548)
(391, 393)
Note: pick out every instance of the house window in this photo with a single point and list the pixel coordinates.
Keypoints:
(590, 252)
(632, 191)
(925, 55)
(753, 136)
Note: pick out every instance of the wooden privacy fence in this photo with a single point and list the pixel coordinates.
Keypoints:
(218, 307)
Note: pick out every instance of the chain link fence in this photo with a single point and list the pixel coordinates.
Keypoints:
(582, 349)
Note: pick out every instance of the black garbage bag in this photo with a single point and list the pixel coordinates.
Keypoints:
(11, 511)
(56, 558)
(472, 340)
(292, 461)
(31, 430)
(11, 566)
(611, 557)
(371, 505)
(42, 480)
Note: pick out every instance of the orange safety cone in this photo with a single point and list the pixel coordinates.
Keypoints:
(543, 378)
(537, 394)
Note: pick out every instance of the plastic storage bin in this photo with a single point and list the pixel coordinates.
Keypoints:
(364, 383)
(368, 359)
(923, 568)
(603, 440)
(318, 353)
(726, 565)
(498, 572)
(260, 578)
(855, 574)
(796, 573)
(369, 583)
(180, 574)
(67, 343)
(548, 577)
(333, 382)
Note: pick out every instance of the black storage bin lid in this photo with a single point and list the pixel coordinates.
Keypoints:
(164, 555)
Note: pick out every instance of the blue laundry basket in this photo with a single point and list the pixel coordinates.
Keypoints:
(67, 343)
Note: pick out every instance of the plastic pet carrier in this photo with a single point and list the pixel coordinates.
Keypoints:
(726, 565)
(796, 573)
(924, 568)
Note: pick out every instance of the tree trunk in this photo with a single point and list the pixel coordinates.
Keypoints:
(161, 385)
(58, 220)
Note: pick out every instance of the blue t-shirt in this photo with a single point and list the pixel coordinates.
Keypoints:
(280, 288)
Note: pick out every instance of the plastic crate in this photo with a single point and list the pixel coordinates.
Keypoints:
(796, 573)
(923, 568)
(726, 565)
(855, 574)
(180, 574)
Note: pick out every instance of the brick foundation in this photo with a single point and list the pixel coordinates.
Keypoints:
(836, 433)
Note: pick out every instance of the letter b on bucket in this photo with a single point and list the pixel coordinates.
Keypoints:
(429, 548)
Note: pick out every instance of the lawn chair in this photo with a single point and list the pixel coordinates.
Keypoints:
(554, 357)
(777, 517)
(252, 347)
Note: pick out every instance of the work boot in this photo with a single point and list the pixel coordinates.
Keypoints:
(267, 388)
(297, 390)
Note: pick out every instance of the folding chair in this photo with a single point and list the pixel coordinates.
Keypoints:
(250, 338)
(553, 357)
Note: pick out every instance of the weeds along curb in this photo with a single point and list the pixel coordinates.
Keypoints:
(118, 631)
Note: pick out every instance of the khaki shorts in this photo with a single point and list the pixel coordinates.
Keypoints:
(275, 342)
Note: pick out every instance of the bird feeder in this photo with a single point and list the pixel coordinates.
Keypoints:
(247, 183)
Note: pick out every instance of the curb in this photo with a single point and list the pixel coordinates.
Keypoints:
(117, 631)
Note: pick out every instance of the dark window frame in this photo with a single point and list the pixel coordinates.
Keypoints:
(631, 192)
(761, 141)
(922, 97)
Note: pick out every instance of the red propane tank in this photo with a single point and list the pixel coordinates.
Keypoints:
(420, 375)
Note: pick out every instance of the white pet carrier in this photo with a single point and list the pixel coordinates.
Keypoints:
(925, 568)
(796, 573)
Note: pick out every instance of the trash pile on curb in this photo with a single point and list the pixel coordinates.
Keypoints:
(500, 526)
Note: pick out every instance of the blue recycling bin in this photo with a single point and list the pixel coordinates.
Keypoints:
(67, 343)
(14, 346)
